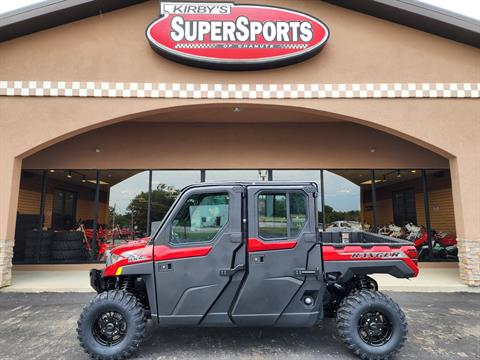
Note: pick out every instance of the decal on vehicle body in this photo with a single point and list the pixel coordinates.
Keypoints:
(369, 255)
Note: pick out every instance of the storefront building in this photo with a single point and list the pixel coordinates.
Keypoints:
(388, 109)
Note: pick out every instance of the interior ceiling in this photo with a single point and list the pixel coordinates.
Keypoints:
(108, 178)
(236, 114)
(384, 177)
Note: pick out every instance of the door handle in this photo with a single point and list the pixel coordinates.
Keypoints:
(231, 272)
(164, 266)
(304, 272)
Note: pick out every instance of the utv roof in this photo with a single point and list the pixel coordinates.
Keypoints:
(252, 183)
(413, 13)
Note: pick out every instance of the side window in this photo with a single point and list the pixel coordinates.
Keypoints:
(200, 218)
(272, 216)
(281, 215)
(298, 213)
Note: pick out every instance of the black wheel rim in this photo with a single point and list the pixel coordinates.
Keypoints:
(375, 328)
(110, 328)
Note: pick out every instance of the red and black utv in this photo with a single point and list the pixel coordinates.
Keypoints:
(248, 254)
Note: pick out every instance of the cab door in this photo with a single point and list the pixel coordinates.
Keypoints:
(194, 252)
(282, 249)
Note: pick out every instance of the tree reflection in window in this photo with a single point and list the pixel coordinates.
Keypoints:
(281, 215)
(200, 218)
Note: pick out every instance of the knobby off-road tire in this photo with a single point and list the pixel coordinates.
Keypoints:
(351, 322)
(118, 302)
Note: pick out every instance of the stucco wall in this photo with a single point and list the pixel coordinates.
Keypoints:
(113, 47)
(143, 145)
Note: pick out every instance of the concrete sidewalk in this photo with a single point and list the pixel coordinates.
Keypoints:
(434, 277)
(430, 279)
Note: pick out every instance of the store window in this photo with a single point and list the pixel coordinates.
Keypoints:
(301, 175)
(67, 209)
(64, 209)
(404, 209)
(342, 200)
(200, 218)
(128, 204)
(166, 186)
(281, 215)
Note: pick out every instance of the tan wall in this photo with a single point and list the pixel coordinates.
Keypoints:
(113, 47)
(442, 215)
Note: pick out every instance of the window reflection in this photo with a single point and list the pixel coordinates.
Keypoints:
(342, 199)
(166, 186)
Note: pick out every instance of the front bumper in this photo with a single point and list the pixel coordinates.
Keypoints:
(96, 280)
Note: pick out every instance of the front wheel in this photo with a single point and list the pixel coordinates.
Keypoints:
(371, 325)
(111, 325)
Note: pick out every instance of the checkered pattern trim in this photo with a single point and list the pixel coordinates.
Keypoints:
(293, 46)
(195, 46)
(238, 91)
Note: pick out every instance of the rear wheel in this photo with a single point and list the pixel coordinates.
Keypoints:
(371, 325)
(112, 325)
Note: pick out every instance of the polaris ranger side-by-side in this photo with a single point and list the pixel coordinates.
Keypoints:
(248, 254)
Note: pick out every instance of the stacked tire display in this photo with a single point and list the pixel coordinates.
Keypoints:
(32, 246)
(25, 223)
(64, 246)
(67, 246)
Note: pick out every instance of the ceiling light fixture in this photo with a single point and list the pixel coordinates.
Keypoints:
(51, 170)
(413, 171)
(69, 175)
(84, 179)
(236, 109)
(101, 182)
(369, 182)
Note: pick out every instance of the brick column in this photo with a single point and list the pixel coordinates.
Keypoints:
(9, 186)
(469, 254)
(466, 198)
(6, 253)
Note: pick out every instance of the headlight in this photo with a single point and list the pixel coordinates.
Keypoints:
(114, 258)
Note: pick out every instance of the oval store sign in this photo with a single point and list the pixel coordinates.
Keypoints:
(235, 37)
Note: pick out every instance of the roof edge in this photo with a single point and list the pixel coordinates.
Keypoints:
(420, 16)
(41, 16)
(411, 13)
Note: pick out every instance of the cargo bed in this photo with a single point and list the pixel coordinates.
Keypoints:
(361, 238)
(348, 254)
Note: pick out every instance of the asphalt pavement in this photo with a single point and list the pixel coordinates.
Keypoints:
(42, 326)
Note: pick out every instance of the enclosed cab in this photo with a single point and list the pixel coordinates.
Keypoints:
(247, 254)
